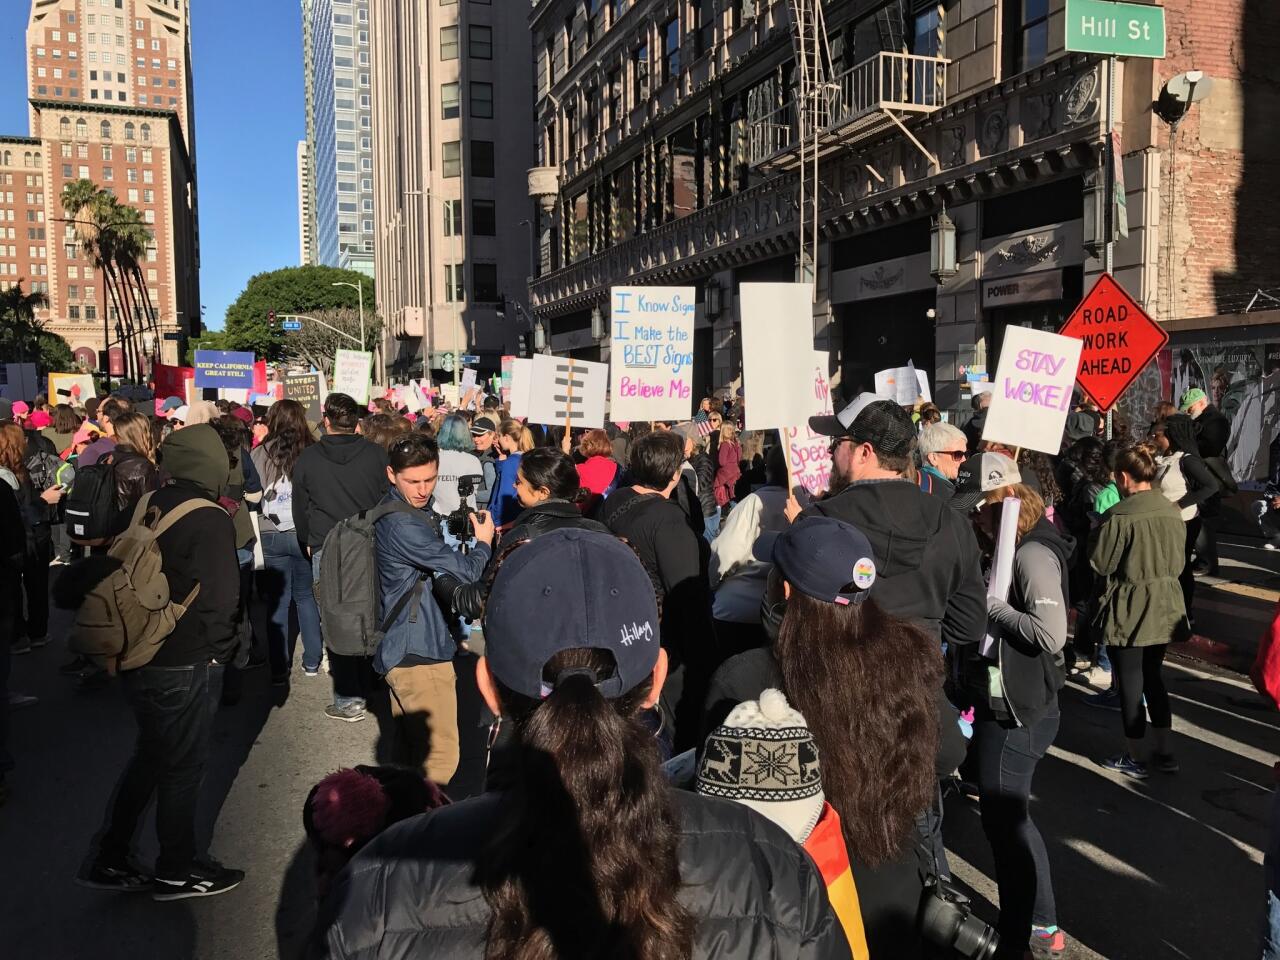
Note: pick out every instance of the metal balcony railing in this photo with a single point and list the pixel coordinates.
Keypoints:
(859, 104)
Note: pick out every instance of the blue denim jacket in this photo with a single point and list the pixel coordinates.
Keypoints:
(407, 548)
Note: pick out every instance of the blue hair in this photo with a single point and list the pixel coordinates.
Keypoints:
(454, 434)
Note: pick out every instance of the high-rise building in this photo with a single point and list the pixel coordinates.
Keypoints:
(306, 220)
(453, 139)
(109, 84)
(336, 57)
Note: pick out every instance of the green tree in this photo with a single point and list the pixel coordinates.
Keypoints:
(209, 340)
(296, 290)
(316, 344)
(54, 355)
(23, 336)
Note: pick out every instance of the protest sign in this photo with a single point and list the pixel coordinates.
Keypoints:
(903, 384)
(173, 381)
(235, 396)
(468, 379)
(20, 382)
(651, 358)
(809, 453)
(308, 390)
(351, 372)
(72, 388)
(1032, 393)
(777, 353)
(563, 390)
(521, 382)
(508, 364)
(216, 369)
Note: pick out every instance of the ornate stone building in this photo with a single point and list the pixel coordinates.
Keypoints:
(668, 154)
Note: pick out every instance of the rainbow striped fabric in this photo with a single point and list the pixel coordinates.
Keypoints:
(826, 848)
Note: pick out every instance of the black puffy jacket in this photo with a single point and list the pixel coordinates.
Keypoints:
(705, 470)
(753, 893)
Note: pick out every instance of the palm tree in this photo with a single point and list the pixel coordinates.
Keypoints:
(22, 328)
(114, 238)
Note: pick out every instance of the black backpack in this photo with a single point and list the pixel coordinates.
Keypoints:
(92, 512)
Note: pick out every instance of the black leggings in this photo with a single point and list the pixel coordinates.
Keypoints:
(1137, 673)
(1187, 579)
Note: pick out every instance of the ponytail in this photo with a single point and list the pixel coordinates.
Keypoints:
(587, 862)
(1138, 460)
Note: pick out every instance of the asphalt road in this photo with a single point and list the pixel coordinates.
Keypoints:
(1166, 868)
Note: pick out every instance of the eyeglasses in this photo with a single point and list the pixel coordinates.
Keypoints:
(831, 449)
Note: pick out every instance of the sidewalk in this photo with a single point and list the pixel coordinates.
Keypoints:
(1233, 609)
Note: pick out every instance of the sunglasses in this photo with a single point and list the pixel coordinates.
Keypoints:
(953, 454)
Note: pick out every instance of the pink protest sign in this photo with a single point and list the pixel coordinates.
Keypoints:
(808, 452)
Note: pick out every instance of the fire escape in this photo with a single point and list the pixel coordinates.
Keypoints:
(831, 113)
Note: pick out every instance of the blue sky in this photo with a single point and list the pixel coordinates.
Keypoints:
(249, 118)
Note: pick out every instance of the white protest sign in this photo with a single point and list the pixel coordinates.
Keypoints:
(468, 379)
(651, 359)
(235, 396)
(521, 382)
(903, 384)
(352, 370)
(1032, 393)
(777, 353)
(809, 453)
(563, 390)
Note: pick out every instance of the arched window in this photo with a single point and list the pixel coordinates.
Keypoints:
(128, 130)
(64, 128)
(146, 133)
(7, 158)
(106, 130)
(26, 159)
(82, 129)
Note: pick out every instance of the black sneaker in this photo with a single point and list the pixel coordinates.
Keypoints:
(75, 666)
(123, 877)
(206, 878)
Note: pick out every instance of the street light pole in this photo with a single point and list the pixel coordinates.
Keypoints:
(359, 289)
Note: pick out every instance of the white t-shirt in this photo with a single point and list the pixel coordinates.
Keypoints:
(455, 464)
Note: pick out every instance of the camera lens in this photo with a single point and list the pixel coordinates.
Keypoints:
(975, 939)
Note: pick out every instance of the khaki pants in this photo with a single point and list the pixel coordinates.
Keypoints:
(424, 704)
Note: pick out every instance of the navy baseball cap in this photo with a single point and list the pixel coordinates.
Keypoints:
(566, 589)
(822, 557)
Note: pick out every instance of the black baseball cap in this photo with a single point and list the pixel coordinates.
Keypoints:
(871, 419)
(822, 557)
(482, 426)
(566, 589)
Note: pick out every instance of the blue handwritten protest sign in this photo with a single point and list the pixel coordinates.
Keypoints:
(224, 369)
(651, 361)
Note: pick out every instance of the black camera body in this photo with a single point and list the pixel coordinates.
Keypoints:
(947, 921)
(458, 523)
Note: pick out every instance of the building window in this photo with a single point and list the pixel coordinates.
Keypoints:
(482, 100)
(452, 158)
(640, 75)
(671, 49)
(449, 43)
(613, 98)
(453, 218)
(450, 100)
(591, 100)
(484, 218)
(619, 8)
(484, 282)
(705, 11)
(453, 289)
(551, 60)
(571, 130)
(480, 45)
(740, 12)
(925, 36)
(1027, 23)
(482, 158)
(568, 42)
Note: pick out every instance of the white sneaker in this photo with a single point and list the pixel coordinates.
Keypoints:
(1270, 546)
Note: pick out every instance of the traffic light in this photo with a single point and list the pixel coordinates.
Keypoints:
(271, 317)
(522, 345)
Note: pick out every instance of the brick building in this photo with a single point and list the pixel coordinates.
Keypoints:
(668, 153)
(109, 86)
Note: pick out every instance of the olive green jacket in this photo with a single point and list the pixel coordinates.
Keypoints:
(1139, 551)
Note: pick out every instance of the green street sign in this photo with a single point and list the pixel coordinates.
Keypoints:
(1116, 29)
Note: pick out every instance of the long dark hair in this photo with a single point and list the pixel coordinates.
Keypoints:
(552, 470)
(288, 434)
(868, 683)
(586, 864)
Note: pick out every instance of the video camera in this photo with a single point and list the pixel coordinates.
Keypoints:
(458, 523)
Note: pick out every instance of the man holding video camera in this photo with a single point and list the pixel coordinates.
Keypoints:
(417, 650)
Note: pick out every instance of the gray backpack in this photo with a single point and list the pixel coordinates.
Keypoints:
(349, 591)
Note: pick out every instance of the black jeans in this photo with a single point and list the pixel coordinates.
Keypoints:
(35, 583)
(1187, 579)
(1006, 762)
(1138, 674)
(6, 640)
(174, 707)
